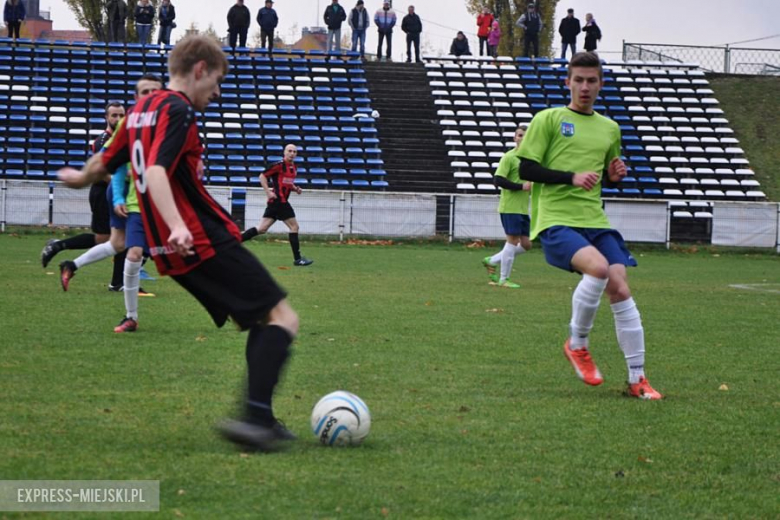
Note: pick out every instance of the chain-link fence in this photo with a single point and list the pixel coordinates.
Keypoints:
(726, 59)
(347, 214)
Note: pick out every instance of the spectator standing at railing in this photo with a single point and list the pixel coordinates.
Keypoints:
(531, 23)
(167, 16)
(359, 22)
(238, 20)
(144, 16)
(569, 30)
(385, 20)
(268, 20)
(592, 33)
(460, 46)
(412, 26)
(13, 16)
(485, 24)
(494, 38)
(334, 16)
(117, 20)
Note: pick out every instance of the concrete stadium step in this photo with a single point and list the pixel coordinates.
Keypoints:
(413, 148)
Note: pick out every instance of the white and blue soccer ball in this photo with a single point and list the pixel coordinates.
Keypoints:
(340, 419)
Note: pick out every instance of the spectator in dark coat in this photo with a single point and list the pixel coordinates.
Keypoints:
(412, 26)
(531, 23)
(238, 20)
(144, 16)
(117, 20)
(334, 16)
(569, 30)
(460, 45)
(592, 33)
(13, 16)
(268, 20)
(385, 20)
(167, 16)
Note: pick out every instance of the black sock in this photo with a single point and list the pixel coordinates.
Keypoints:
(267, 349)
(84, 241)
(249, 234)
(118, 278)
(295, 245)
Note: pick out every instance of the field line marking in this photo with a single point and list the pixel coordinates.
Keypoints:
(761, 287)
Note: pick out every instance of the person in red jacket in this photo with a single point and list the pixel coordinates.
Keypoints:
(485, 23)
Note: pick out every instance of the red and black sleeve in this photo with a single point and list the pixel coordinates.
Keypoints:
(118, 153)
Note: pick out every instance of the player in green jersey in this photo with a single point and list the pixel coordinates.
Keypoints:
(513, 209)
(565, 153)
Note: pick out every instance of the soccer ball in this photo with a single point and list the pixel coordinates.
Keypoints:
(340, 419)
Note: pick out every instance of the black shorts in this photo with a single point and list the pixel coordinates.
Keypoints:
(233, 284)
(101, 223)
(279, 211)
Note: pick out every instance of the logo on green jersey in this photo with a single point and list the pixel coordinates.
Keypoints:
(567, 129)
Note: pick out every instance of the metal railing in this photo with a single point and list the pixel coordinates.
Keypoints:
(724, 59)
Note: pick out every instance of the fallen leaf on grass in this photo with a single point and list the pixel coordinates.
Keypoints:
(200, 338)
(178, 513)
(181, 492)
(646, 460)
(724, 387)
(283, 268)
(243, 455)
(477, 244)
(428, 303)
(385, 511)
(496, 311)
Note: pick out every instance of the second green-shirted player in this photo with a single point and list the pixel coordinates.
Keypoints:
(513, 209)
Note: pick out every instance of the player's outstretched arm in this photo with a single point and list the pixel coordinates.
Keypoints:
(92, 172)
(159, 188)
(535, 172)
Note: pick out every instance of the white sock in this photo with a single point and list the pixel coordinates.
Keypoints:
(631, 337)
(131, 288)
(507, 260)
(496, 258)
(584, 304)
(95, 254)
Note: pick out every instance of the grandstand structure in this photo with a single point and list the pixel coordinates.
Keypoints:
(442, 127)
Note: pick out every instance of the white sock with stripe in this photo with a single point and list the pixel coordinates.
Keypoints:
(584, 304)
(631, 337)
(132, 282)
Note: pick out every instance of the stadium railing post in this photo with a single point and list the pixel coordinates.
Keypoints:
(452, 218)
(668, 225)
(3, 194)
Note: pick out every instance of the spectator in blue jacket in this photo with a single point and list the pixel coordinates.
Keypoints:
(13, 16)
(167, 16)
(359, 22)
(385, 21)
(268, 20)
(144, 16)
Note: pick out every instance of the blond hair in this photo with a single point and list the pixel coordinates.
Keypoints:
(193, 49)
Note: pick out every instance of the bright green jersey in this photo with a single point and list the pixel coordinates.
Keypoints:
(121, 176)
(132, 196)
(512, 201)
(565, 140)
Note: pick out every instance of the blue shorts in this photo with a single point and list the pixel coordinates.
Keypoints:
(516, 224)
(115, 220)
(560, 243)
(135, 236)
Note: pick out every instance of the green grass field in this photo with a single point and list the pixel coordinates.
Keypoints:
(476, 413)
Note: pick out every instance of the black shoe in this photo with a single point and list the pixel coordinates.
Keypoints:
(303, 261)
(281, 432)
(247, 435)
(116, 288)
(49, 250)
(67, 272)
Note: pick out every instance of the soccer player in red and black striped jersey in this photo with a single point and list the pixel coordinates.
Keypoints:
(279, 208)
(101, 228)
(192, 238)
